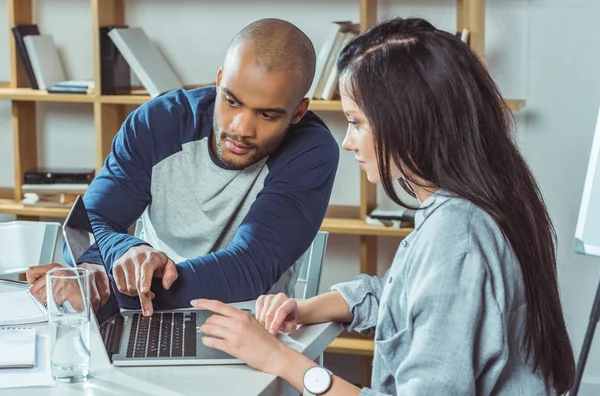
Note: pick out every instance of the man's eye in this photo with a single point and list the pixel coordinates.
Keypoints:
(231, 102)
(267, 116)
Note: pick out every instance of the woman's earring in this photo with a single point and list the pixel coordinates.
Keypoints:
(406, 187)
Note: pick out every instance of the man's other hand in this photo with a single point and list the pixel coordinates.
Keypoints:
(99, 283)
(133, 273)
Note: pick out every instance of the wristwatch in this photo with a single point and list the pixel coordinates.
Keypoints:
(317, 380)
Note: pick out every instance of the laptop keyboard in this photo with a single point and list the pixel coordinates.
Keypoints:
(171, 334)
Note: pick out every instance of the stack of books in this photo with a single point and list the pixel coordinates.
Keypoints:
(55, 187)
(325, 83)
(40, 59)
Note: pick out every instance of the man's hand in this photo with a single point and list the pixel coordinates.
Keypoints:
(36, 277)
(133, 273)
(99, 284)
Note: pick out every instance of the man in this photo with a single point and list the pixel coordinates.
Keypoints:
(232, 182)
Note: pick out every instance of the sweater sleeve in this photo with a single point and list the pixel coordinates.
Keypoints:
(120, 192)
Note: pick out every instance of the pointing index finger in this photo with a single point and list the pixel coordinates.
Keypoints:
(146, 273)
(217, 307)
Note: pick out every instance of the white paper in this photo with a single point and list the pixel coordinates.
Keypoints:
(20, 307)
(36, 376)
(17, 347)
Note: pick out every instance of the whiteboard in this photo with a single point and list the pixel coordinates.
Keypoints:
(587, 232)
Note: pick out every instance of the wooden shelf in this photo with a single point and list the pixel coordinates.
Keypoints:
(35, 95)
(359, 227)
(352, 346)
(124, 99)
(333, 226)
(515, 104)
(10, 206)
(325, 105)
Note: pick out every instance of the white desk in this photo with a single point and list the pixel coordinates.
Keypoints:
(181, 380)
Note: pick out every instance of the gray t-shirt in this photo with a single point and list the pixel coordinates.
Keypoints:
(449, 314)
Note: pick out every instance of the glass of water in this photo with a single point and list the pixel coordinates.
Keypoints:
(68, 299)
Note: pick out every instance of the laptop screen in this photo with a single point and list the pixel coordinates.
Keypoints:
(81, 247)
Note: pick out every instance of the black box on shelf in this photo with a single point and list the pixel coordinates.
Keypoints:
(114, 69)
(58, 176)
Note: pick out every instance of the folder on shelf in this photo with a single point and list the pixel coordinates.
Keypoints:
(19, 33)
(146, 61)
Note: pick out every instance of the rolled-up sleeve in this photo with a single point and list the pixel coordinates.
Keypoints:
(362, 295)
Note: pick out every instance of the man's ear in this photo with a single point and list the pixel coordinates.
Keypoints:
(219, 76)
(300, 111)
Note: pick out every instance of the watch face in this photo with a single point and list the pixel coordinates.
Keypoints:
(317, 380)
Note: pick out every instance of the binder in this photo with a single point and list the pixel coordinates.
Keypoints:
(19, 33)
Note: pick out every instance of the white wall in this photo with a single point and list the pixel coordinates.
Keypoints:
(545, 51)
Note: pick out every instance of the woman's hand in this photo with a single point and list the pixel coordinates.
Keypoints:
(277, 312)
(239, 334)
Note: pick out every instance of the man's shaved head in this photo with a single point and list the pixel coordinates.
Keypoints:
(261, 91)
(278, 46)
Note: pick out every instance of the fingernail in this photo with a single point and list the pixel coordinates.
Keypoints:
(192, 302)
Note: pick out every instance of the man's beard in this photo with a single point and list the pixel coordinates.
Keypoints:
(256, 153)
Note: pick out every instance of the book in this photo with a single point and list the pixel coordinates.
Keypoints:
(45, 61)
(397, 217)
(330, 88)
(328, 63)
(146, 61)
(18, 347)
(19, 33)
(323, 56)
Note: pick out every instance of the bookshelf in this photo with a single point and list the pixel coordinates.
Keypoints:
(110, 111)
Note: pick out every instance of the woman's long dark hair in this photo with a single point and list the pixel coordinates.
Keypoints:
(435, 111)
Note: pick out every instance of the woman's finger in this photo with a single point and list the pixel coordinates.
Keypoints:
(267, 304)
(217, 343)
(277, 301)
(220, 320)
(258, 308)
(213, 330)
(279, 316)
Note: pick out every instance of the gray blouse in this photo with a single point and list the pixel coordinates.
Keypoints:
(449, 314)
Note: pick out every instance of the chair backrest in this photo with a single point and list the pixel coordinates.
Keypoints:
(310, 270)
(26, 243)
(309, 273)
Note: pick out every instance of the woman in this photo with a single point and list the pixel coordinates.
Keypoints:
(470, 304)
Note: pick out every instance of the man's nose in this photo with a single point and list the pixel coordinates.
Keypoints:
(244, 125)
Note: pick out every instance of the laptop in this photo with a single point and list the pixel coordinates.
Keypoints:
(168, 337)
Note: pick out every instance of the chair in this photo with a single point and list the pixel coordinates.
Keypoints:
(310, 270)
(312, 262)
(26, 243)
